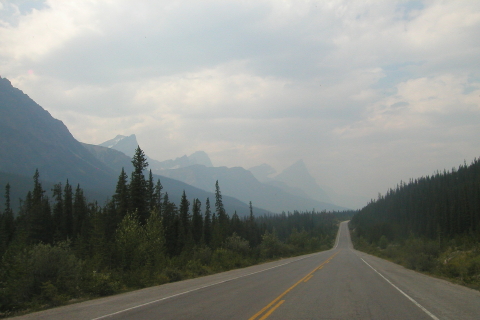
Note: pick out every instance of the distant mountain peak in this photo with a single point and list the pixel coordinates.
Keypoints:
(125, 144)
(262, 172)
(298, 176)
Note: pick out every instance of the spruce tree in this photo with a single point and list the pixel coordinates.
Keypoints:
(67, 220)
(80, 212)
(223, 222)
(207, 226)
(39, 215)
(158, 196)
(121, 197)
(138, 185)
(151, 194)
(8, 218)
(57, 214)
(197, 221)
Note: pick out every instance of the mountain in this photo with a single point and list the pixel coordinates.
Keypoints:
(30, 139)
(128, 144)
(198, 157)
(297, 176)
(124, 144)
(243, 185)
(262, 172)
(117, 160)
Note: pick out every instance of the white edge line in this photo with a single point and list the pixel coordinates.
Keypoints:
(202, 287)
(337, 240)
(406, 295)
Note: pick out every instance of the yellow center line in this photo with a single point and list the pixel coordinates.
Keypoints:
(265, 316)
(287, 291)
(310, 277)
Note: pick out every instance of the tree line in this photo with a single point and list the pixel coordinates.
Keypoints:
(430, 224)
(62, 247)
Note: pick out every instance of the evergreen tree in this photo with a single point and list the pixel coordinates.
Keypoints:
(169, 225)
(158, 196)
(223, 222)
(207, 226)
(8, 219)
(184, 232)
(58, 214)
(151, 193)
(138, 185)
(80, 213)
(39, 215)
(67, 221)
(197, 221)
(121, 198)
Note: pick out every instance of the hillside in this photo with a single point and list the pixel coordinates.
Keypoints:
(30, 139)
(430, 224)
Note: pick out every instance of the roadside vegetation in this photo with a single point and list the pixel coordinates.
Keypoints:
(61, 249)
(430, 225)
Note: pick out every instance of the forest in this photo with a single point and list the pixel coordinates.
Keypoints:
(62, 248)
(430, 224)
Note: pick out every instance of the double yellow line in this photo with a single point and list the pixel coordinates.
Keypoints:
(276, 303)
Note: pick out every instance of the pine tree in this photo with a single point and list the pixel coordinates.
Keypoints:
(151, 194)
(197, 221)
(58, 214)
(121, 197)
(39, 215)
(67, 220)
(223, 222)
(207, 226)
(158, 196)
(138, 185)
(80, 213)
(184, 232)
(8, 218)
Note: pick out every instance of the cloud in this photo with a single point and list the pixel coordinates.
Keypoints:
(367, 93)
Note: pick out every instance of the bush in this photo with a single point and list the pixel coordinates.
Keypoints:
(43, 273)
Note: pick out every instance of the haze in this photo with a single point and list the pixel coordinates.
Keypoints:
(367, 93)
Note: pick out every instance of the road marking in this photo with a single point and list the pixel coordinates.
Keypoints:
(406, 295)
(287, 291)
(271, 310)
(310, 277)
(202, 287)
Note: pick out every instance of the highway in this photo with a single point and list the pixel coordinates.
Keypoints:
(340, 283)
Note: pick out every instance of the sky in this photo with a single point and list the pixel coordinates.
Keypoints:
(367, 93)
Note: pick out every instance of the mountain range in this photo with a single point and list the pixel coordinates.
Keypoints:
(30, 139)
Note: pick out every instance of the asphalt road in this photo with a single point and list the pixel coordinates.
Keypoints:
(340, 283)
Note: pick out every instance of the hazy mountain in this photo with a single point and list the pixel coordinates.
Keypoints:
(128, 144)
(30, 138)
(241, 183)
(198, 157)
(117, 160)
(114, 159)
(124, 144)
(297, 176)
(262, 172)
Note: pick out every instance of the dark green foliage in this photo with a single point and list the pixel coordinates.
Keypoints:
(421, 223)
(121, 198)
(84, 250)
(197, 221)
(207, 225)
(138, 186)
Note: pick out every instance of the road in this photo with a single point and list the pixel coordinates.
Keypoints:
(340, 283)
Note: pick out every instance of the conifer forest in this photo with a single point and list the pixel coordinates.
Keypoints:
(59, 247)
(430, 224)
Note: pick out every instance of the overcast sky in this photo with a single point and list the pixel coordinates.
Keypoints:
(367, 93)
